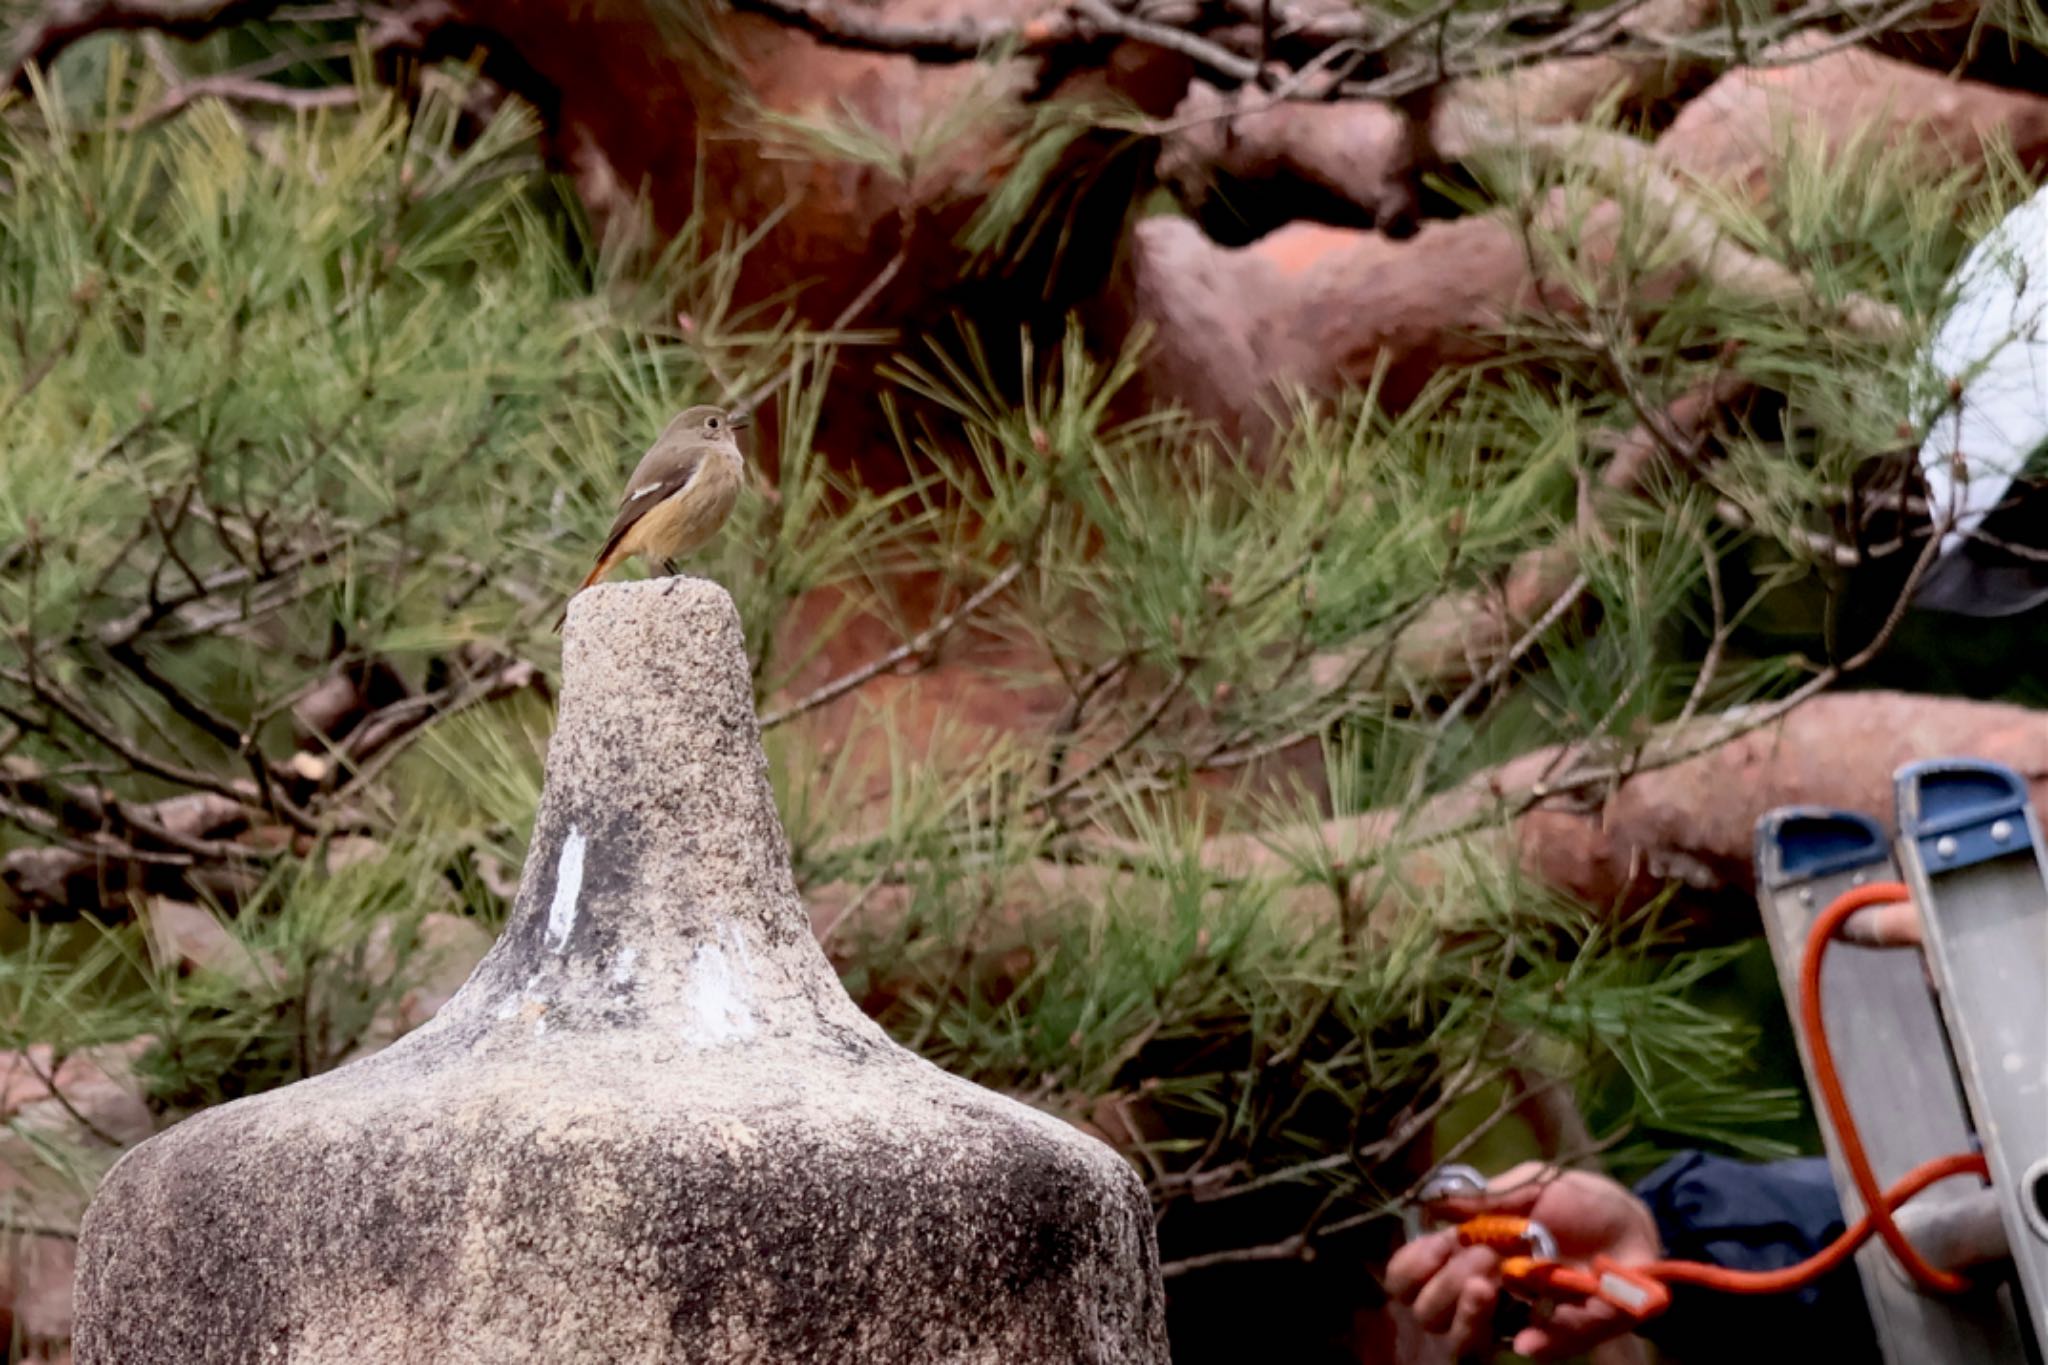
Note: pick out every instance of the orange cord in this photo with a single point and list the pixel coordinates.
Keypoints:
(1501, 1231)
(1807, 1271)
(1829, 1084)
(1504, 1232)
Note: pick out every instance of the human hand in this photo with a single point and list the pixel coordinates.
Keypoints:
(1893, 924)
(1454, 1290)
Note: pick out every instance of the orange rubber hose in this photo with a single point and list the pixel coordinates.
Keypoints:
(1829, 1084)
(1502, 1231)
(1813, 1267)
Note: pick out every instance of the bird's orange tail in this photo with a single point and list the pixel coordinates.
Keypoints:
(597, 572)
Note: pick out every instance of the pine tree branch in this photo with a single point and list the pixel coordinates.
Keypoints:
(1628, 166)
(376, 743)
(108, 735)
(89, 814)
(57, 25)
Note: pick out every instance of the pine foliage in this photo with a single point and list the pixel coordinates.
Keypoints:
(345, 392)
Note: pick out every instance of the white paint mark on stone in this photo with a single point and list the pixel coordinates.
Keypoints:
(568, 886)
(622, 970)
(718, 994)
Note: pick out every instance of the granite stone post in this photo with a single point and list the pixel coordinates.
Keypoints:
(651, 1126)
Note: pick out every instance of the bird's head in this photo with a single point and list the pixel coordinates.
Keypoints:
(710, 423)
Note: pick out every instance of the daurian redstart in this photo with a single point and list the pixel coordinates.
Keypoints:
(681, 493)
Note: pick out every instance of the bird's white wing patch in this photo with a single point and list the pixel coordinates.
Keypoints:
(1994, 344)
(640, 493)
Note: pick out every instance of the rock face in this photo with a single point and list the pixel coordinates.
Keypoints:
(1734, 134)
(651, 1127)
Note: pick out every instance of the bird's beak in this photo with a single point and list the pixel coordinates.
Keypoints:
(739, 421)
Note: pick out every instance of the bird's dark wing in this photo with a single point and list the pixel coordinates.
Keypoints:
(661, 475)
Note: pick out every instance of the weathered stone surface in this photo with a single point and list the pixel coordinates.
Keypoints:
(651, 1127)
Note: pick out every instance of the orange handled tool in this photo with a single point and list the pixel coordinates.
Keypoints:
(1531, 1269)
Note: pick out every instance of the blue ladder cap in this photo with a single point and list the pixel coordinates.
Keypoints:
(1800, 843)
(1962, 811)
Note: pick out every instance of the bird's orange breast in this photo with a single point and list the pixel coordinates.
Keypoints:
(683, 521)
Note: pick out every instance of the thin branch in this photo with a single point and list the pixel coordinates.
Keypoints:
(241, 90)
(49, 1081)
(382, 736)
(1083, 693)
(236, 739)
(126, 629)
(1153, 713)
(60, 23)
(1199, 50)
(1299, 1247)
(109, 735)
(95, 811)
(1509, 657)
(919, 644)
(16, 1227)
(937, 42)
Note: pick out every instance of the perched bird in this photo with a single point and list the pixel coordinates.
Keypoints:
(680, 494)
(1989, 358)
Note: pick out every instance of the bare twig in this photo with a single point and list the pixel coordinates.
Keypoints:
(1299, 1247)
(917, 645)
(936, 41)
(375, 743)
(1491, 677)
(108, 735)
(242, 90)
(60, 23)
(56, 1092)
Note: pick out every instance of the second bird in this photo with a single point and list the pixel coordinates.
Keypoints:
(680, 494)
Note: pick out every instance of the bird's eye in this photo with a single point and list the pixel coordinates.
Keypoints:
(711, 422)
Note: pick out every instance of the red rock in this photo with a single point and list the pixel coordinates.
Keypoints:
(192, 937)
(96, 1083)
(1734, 134)
(1320, 307)
(636, 106)
(1243, 174)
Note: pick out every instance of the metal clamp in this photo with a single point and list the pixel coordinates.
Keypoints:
(1454, 1179)
(1445, 1182)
